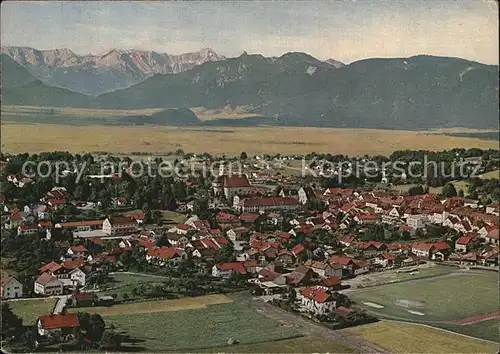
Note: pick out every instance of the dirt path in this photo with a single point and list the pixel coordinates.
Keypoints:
(305, 326)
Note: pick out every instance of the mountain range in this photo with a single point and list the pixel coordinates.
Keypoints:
(95, 74)
(419, 92)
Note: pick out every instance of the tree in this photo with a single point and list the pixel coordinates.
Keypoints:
(449, 190)
(96, 326)
(111, 339)
(416, 190)
(225, 254)
(243, 155)
(11, 324)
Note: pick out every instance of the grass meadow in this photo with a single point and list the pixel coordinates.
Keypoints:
(36, 137)
(199, 328)
(30, 310)
(397, 337)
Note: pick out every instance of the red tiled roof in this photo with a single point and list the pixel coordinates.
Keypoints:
(121, 220)
(73, 264)
(298, 249)
(56, 201)
(234, 266)
(165, 252)
(45, 278)
(389, 256)
(316, 294)
(59, 321)
(236, 181)
(422, 246)
(331, 281)
(441, 246)
(81, 223)
(78, 249)
(248, 217)
(45, 224)
(463, 240)
(341, 260)
(269, 201)
(225, 217)
(493, 234)
(15, 217)
(52, 266)
(28, 227)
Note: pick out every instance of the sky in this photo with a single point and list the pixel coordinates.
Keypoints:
(345, 30)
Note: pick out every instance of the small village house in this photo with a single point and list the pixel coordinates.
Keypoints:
(47, 284)
(57, 325)
(317, 300)
(11, 288)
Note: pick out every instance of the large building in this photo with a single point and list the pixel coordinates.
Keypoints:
(231, 185)
(266, 203)
(119, 225)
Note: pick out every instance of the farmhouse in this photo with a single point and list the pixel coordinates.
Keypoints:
(422, 249)
(165, 256)
(47, 284)
(464, 243)
(225, 270)
(323, 269)
(11, 288)
(492, 236)
(57, 325)
(317, 300)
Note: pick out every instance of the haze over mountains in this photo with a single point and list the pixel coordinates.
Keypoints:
(297, 89)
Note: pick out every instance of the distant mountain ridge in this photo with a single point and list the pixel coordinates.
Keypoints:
(296, 89)
(419, 92)
(95, 74)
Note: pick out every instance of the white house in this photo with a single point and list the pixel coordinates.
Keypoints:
(47, 284)
(11, 288)
(78, 276)
(317, 300)
(27, 229)
(324, 269)
(416, 221)
(164, 256)
(492, 236)
(225, 270)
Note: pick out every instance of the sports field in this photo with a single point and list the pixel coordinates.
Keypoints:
(398, 337)
(36, 137)
(192, 328)
(441, 299)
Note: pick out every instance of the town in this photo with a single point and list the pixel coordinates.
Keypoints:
(308, 245)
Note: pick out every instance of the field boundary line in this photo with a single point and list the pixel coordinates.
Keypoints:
(444, 330)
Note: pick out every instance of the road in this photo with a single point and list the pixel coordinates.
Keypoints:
(61, 303)
(145, 275)
(306, 326)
